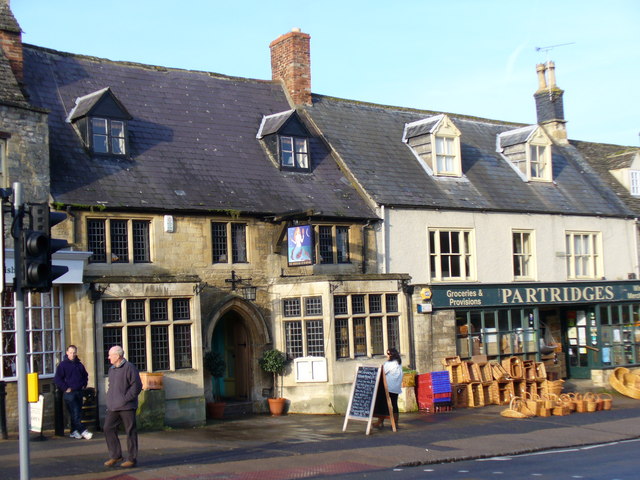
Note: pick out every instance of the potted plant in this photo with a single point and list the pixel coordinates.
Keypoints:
(214, 363)
(274, 361)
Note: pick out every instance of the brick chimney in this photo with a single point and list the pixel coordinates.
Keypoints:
(291, 63)
(11, 39)
(549, 104)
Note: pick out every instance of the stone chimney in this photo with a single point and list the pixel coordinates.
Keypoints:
(11, 39)
(549, 104)
(291, 63)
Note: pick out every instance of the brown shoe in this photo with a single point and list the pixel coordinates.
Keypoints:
(128, 464)
(112, 461)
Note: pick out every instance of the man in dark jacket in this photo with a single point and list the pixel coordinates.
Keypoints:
(71, 377)
(122, 402)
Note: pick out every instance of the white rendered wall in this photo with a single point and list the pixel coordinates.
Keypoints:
(407, 239)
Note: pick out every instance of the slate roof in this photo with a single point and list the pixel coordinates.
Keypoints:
(192, 141)
(605, 157)
(368, 138)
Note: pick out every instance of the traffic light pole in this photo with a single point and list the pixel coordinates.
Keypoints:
(21, 337)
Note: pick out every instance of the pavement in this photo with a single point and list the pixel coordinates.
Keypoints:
(263, 447)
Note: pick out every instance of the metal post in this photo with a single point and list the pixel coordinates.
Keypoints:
(21, 339)
(3, 411)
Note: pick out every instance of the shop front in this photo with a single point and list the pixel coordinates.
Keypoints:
(581, 330)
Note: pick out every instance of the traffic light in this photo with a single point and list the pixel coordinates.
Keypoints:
(37, 246)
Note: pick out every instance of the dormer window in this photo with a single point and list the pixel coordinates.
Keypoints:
(435, 141)
(624, 165)
(528, 151)
(108, 136)
(294, 152)
(101, 120)
(287, 141)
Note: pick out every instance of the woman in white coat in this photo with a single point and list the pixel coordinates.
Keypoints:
(393, 372)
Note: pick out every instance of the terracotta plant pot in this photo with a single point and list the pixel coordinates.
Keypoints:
(215, 410)
(276, 406)
(152, 381)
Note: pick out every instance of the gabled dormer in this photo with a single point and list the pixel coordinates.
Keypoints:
(435, 141)
(287, 140)
(625, 167)
(102, 122)
(528, 151)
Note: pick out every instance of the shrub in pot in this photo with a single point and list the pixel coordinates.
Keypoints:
(214, 363)
(274, 361)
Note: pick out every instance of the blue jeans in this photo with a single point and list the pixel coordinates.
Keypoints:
(73, 400)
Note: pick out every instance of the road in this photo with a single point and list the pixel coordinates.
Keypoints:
(609, 461)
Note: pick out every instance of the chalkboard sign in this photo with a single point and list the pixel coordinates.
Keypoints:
(369, 390)
(364, 389)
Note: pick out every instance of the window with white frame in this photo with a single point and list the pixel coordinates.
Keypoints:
(108, 136)
(114, 240)
(366, 324)
(229, 242)
(634, 182)
(451, 254)
(583, 255)
(45, 333)
(155, 333)
(303, 327)
(446, 156)
(522, 242)
(294, 153)
(539, 162)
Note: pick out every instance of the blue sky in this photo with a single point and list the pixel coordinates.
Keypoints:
(473, 57)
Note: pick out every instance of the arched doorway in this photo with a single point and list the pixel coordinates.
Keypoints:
(230, 338)
(236, 329)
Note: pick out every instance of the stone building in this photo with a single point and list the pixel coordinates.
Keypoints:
(206, 214)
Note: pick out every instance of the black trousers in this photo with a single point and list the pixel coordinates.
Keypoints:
(126, 418)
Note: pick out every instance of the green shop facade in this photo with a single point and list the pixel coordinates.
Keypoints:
(581, 330)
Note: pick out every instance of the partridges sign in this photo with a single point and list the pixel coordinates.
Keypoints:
(450, 296)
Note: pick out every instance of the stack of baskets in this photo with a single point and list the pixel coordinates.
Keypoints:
(475, 384)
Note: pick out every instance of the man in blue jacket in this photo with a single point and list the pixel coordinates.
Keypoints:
(71, 378)
(122, 402)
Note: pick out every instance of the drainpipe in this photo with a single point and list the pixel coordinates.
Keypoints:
(365, 227)
(384, 239)
(73, 221)
(635, 235)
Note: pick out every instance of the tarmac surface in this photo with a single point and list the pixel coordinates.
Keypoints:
(307, 446)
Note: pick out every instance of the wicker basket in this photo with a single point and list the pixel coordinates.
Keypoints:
(591, 401)
(533, 403)
(499, 372)
(569, 399)
(622, 380)
(513, 365)
(552, 386)
(517, 409)
(607, 401)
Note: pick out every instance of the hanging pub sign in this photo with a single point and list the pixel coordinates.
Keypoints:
(300, 245)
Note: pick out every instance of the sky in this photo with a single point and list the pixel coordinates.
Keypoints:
(471, 57)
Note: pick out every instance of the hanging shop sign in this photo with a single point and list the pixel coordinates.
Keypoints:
(448, 296)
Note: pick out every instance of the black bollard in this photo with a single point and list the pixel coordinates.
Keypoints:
(58, 412)
(3, 410)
